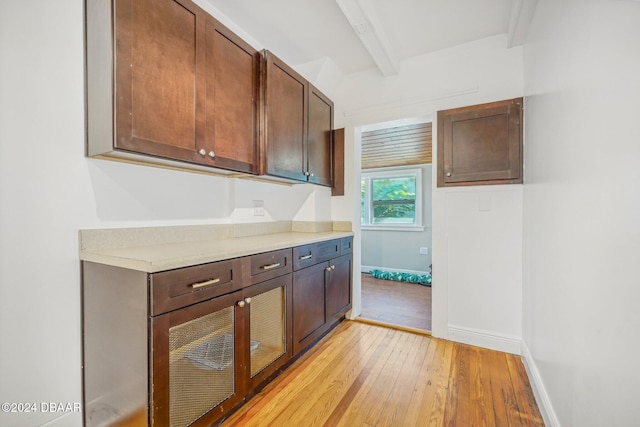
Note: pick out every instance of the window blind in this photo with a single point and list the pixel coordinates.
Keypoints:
(398, 146)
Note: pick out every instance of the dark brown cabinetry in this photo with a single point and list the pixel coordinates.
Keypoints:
(481, 144)
(321, 289)
(183, 87)
(298, 139)
(216, 332)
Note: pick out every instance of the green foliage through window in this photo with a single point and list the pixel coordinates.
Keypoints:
(389, 198)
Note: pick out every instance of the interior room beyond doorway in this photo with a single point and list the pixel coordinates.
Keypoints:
(396, 234)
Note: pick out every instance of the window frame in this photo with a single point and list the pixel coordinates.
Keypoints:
(366, 216)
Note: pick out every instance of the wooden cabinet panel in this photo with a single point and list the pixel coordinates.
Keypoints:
(268, 329)
(319, 138)
(270, 264)
(321, 289)
(308, 305)
(185, 87)
(156, 76)
(174, 289)
(198, 352)
(231, 101)
(298, 133)
(338, 288)
(481, 144)
(286, 126)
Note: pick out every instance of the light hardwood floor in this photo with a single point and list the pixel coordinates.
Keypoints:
(396, 303)
(366, 375)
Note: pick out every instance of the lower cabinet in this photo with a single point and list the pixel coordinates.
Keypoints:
(187, 346)
(322, 291)
(208, 356)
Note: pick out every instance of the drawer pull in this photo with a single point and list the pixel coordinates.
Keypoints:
(305, 257)
(203, 284)
(270, 266)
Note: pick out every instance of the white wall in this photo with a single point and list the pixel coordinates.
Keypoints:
(581, 211)
(478, 72)
(49, 190)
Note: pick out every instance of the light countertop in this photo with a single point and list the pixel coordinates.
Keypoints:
(166, 248)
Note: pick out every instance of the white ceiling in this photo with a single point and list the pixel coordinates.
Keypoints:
(369, 32)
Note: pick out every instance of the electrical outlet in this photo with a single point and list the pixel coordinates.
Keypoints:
(258, 208)
(424, 250)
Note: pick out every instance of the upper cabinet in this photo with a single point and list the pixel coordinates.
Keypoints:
(481, 144)
(166, 80)
(297, 138)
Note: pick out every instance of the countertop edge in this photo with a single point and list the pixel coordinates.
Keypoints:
(169, 256)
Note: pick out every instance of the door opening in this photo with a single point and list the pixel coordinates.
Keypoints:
(396, 186)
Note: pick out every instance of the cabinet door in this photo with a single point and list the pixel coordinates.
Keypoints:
(196, 356)
(232, 66)
(286, 124)
(338, 288)
(320, 138)
(159, 65)
(308, 305)
(480, 144)
(268, 328)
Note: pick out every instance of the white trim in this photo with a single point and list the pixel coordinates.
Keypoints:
(393, 228)
(539, 391)
(486, 339)
(368, 268)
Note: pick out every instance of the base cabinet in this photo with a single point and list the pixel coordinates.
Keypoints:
(197, 358)
(322, 288)
(208, 356)
(187, 346)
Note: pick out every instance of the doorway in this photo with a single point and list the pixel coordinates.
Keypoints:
(396, 186)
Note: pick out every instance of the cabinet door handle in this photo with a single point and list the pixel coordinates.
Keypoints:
(270, 266)
(240, 304)
(203, 284)
(327, 269)
(247, 300)
(303, 257)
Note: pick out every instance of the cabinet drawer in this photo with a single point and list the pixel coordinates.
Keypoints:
(346, 245)
(269, 265)
(174, 289)
(307, 255)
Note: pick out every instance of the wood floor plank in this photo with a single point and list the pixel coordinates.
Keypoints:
(400, 398)
(366, 400)
(435, 412)
(385, 384)
(366, 375)
(524, 395)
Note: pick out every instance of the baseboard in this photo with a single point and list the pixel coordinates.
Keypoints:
(486, 339)
(368, 268)
(539, 391)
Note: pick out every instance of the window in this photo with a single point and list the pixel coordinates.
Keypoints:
(391, 199)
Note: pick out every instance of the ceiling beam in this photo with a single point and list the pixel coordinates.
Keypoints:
(364, 23)
(522, 12)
